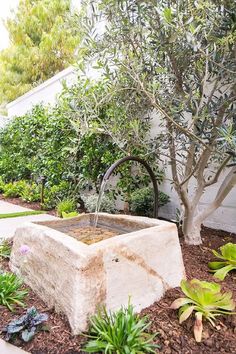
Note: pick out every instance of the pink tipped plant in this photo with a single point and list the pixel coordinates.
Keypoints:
(205, 300)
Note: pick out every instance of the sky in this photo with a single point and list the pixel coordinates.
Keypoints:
(5, 11)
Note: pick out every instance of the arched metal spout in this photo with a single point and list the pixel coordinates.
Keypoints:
(148, 168)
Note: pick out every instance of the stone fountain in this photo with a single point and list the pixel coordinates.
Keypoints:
(136, 257)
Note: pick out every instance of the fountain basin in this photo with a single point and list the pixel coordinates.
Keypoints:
(141, 260)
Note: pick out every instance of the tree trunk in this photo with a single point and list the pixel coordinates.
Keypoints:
(191, 229)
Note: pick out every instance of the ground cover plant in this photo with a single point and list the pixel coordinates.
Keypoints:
(206, 300)
(119, 332)
(11, 292)
(227, 256)
(26, 326)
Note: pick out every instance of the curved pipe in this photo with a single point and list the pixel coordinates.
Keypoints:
(148, 168)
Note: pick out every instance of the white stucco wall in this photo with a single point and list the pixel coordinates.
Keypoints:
(45, 93)
(223, 218)
(3, 121)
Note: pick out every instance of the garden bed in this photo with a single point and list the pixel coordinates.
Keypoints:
(173, 338)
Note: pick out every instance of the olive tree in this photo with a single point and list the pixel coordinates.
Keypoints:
(180, 56)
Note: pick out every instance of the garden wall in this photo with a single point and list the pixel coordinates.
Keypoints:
(3, 121)
(45, 93)
(224, 218)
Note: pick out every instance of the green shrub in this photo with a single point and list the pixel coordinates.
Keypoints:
(31, 193)
(142, 201)
(14, 189)
(66, 206)
(206, 300)
(107, 204)
(56, 193)
(2, 185)
(5, 249)
(227, 256)
(26, 326)
(119, 332)
(10, 290)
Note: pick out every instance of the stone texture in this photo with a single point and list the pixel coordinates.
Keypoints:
(76, 278)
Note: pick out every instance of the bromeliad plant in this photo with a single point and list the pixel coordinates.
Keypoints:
(206, 300)
(26, 326)
(121, 332)
(227, 255)
(10, 290)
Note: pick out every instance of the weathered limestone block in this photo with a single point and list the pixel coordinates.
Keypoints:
(75, 278)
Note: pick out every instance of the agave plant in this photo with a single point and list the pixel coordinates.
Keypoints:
(206, 300)
(228, 261)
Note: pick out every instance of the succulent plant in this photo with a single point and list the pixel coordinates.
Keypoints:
(228, 261)
(206, 300)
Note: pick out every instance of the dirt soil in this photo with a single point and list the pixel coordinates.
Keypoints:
(90, 234)
(173, 338)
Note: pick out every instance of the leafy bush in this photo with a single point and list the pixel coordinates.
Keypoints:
(26, 326)
(142, 201)
(30, 193)
(56, 193)
(39, 145)
(5, 249)
(107, 204)
(119, 332)
(15, 189)
(66, 206)
(10, 290)
(228, 261)
(206, 300)
(2, 185)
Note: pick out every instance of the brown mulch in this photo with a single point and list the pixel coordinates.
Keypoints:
(173, 338)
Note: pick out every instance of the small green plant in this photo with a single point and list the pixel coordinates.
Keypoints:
(56, 193)
(107, 204)
(227, 255)
(26, 326)
(66, 206)
(206, 300)
(73, 214)
(142, 201)
(11, 292)
(15, 189)
(5, 249)
(119, 332)
(30, 193)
